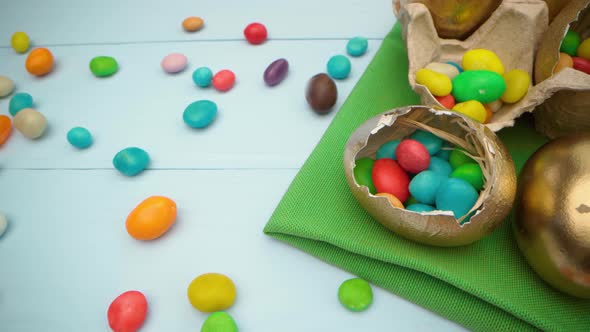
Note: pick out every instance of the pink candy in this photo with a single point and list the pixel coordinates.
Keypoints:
(174, 63)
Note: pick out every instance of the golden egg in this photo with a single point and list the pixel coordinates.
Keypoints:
(552, 225)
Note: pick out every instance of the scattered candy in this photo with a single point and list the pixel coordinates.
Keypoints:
(357, 46)
(219, 322)
(471, 173)
(473, 109)
(20, 42)
(424, 186)
(19, 101)
(6, 86)
(79, 137)
(5, 128)
(3, 224)
(202, 77)
(458, 158)
(127, 312)
(355, 294)
(338, 67)
(438, 84)
(564, 61)
(200, 114)
(362, 173)
(419, 207)
(224, 80)
(174, 63)
(482, 59)
(482, 85)
(431, 142)
(570, 43)
(581, 64)
(192, 24)
(30, 123)
(151, 218)
(131, 161)
(440, 166)
(456, 195)
(412, 156)
(103, 66)
(39, 62)
(443, 68)
(276, 72)
(447, 101)
(584, 49)
(517, 85)
(321, 93)
(389, 177)
(211, 292)
(255, 33)
(387, 149)
(392, 199)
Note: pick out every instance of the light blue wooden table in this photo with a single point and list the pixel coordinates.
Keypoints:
(66, 254)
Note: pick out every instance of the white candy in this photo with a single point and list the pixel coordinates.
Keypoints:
(3, 224)
(495, 105)
(30, 123)
(443, 68)
(6, 86)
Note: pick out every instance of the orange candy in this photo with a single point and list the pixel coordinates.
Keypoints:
(564, 61)
(39, 62)
(392, 199)
(192, 24)
(151, 218)
(5, 128)
(489, 114)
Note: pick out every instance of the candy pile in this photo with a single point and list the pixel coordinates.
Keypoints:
(478, 87)
(573, 53)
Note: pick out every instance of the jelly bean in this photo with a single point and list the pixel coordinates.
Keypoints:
(440, 166)
(412, 156)
(5, 128)
(3, 224)
(392, 199)
(458, 158)
(570, 43)
(20, 42)
(444, 152)
(438, 84)
(482, 59)
(456, 195)
(456, 65)
(357, 46)
(471, 173)
(6, 86)
(411, 200)
(473, 109)
(79, 137)
(200, 114)
(127, 312)
(219, 322)
(420, 207)
(338, 67)
(224, 80)
(103, 66)
(494, 106)
(355, 294)
(482, 85)
(389, 177)
(39, 62)
(447, 101)
(151, 218)
(387, 149)
(211, 292)
(174, 63)
(202, 77)
(255, 33)
(20, 101)
(30, 123)
(362, 173)
(425, 185)
(192, 24)
(489, 115)
(432, 142)
(564, 61)
(321, 93)
(131, 161)
(517, 85)
(584, 49)
(276, 72)
(581, 64)
(443, 68)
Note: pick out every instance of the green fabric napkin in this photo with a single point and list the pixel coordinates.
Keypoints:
(486, 286)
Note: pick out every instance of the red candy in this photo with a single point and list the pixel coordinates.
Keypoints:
(389, 177)
(412, 156)
(581, 64)
(447, 101)
(255, 33)
(127, 312)
(224, 80)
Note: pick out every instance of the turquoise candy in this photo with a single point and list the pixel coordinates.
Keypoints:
(420, 207)
(357, 46)
(387, 149)
(482, 85)
(131, 161)
(456, 65)
(338, 67)
(200, 114)
(440, 166)
(19, 101)
(432, 142)
(202, 77)
(79, 137)
(570, 43)
(363, 173)
(424, 186)
(456, 195)
(219, 322)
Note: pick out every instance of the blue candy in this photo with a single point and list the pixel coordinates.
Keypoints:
(131, 161)
(444, 154)
(456, 195)
(19, 101)
(432, 142)
(357, 46)
(200, 114)
(440, 166)
(456, 65)
(424, 186)
(79, 137)
(338, 67)
(202, 77)
(418, 207)
(387, 150)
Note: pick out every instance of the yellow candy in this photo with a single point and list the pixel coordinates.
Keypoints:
(482, 59)
(438, 84)
(473, 109)
(211, 292)
(584, 49)
(20, 42)
(517, 85)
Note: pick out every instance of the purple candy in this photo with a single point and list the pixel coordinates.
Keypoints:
(276, 72)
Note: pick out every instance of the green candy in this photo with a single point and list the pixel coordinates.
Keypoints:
(411, 200)
(570, 43)
(482, 85)
(458, 158)
(219, 322)
(363, 173)
(103, 66)
(355, 294)
(470, 173)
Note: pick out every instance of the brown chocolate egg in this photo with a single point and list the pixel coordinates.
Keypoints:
(321, 93)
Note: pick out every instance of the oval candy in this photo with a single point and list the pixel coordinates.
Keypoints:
(5, 128)
(30, 123)
(6, 86)
(584, 49)
(357, 46)
(473, 109)
(219, 322)
(392, 199)
(443, 68)
(255, 33)
(276, 72)
(338, 67)
(570, 43)
(494, 106)
(20, 42)
(447, 101)
(192, 24)
(387, 149)
(174, 63)
(412, 156)
(211, 292)
(581, 64)
(39, 62)
(424, 186)
(19, 101)
(431, 142)
(151, 218)
(79, 137)
(458, 158)
(482, 85)
(440, 166)
(131, 161)
(471, 173)
(457, 196)
(127, 312)
(517, 85)
(482, 59)
(438, 84)
(564, 61)
(103, 66)
(202, 77)
(362, 173)
(321, 93)
(389, 177)
(224, 80)
(355, 294)
(200, 114)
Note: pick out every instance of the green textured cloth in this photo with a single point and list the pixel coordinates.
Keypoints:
(486, 286)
